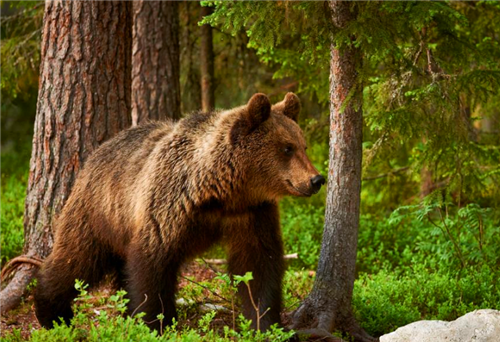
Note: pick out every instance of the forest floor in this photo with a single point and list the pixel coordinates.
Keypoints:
(24, 318)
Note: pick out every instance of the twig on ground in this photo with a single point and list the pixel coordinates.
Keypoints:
(206, 288)
(224, 261)
(256, 307)
(142, 303)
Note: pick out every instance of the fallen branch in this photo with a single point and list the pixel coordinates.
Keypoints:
(224, 261)
(11, 295)
(16, 262)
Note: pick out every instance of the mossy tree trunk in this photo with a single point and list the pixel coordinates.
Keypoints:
(83, 100)
(155, 61)
(328, 307)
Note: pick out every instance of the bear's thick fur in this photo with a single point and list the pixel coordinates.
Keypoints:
(159, 194)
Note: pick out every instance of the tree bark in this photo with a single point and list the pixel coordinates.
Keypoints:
(155, 61)
(328, 307)
(207, 64)
(83, 100)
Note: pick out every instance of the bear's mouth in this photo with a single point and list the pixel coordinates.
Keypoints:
(298, 190)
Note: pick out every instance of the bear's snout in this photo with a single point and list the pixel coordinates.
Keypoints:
(316, 183)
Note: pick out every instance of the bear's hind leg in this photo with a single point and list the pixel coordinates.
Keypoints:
(53, 294)
(55, 289)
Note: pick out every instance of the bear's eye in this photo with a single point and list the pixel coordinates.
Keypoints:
(289, 150)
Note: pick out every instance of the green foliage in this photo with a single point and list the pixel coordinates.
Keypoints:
(302, 225)
(20, 49)
(11, 220)
(296, 286)
(294, 41)
(453, 238)
(14, 182)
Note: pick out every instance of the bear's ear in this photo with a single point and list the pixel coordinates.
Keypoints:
(290, 106)
(258, 110)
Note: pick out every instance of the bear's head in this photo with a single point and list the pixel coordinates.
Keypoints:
(274, 148)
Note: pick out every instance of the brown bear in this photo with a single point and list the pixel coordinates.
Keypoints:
(159, 194)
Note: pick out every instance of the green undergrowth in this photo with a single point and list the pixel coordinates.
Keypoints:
(105, 320)
(387, 300)
(14, 166)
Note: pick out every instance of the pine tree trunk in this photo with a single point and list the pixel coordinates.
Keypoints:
(191, 85)
(155, 61)
(329, 304)
(207, 64)
(83, 100)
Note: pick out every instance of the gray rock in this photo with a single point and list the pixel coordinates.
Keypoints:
(476, 326)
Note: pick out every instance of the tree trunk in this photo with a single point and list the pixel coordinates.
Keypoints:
(207, 64)
(83, 99)
(328, 307)
(155, 61)
(490, 124)
(190, 83)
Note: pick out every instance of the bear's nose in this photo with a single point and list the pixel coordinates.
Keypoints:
(317, 182)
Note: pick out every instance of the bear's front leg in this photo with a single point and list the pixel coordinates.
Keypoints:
(256, 246)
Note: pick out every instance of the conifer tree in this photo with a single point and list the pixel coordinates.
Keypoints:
(329, 303)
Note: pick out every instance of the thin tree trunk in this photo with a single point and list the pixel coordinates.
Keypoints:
(155, 61)
(490, 124)
(207, 64)
(191, 85)
(83, 100)
(426, 184)
(328, 307)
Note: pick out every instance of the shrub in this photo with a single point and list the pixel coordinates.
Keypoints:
(302, 227)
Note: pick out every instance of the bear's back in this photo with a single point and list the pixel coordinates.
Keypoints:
(103, 190)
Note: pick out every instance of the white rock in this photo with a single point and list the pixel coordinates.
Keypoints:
(476, 326)
(212, 307)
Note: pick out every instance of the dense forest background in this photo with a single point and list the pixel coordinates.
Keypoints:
(429, 76)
